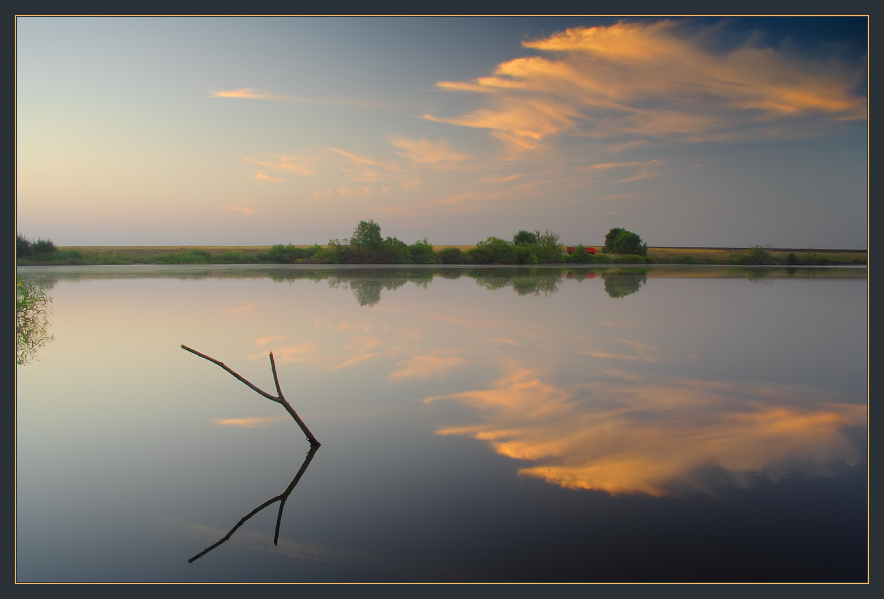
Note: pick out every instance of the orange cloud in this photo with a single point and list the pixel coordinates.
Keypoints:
(246, 92)
(426, 152)
(301, 165)
(241, 209)
(655, 79)
(241, 309)
(262, 177)
(258, 94)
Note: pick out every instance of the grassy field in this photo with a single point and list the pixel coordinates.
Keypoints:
(258, 254)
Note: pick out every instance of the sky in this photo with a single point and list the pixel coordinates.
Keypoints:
(717, 132)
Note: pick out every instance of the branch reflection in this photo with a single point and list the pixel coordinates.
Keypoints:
(281, 498)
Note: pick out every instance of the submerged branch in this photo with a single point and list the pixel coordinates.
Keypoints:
(279, 399)
(281, 498)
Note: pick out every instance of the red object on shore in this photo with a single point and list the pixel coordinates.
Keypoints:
(571, 248)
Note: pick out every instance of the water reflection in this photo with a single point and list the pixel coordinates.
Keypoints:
(620, 283)
(281, 498)
(32, 307)
(367, 283)
(662, 436)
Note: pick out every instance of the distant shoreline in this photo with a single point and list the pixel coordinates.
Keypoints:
(207, 255)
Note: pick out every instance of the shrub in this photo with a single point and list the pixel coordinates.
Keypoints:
(493, 251)
(525, 254)
(422, 252)
(756, 255)
(580, 256)
(631, 259)
(452, 255)
(791, 258)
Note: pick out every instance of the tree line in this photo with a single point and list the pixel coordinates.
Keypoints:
(368, 246)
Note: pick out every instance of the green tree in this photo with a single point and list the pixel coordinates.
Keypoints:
(22, 246)
(621, 241)
(367, 235)
(525, 237)
(548, 248)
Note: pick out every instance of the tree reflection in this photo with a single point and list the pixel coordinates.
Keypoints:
(281, 498)
(32, 307)
(620, 283)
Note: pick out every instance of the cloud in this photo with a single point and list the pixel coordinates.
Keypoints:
(502, 178)
(246, 92)
(632, 81)
(249, 93)
(293, 163)
(241, 309)
(660, 437)
(626, 196)
(240, 209)
(426, 152)
(262, 177)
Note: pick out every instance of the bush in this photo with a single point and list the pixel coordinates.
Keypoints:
(493, 251)
(791, 259)
(756, 255)
(580, 256)
(452, 255)
(393, 251)
(631, 259)
(525, 254)
(289, 254)
(422, 252)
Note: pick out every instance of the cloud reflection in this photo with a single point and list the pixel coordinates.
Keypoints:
(661, 437)
(249, 422)
(425, 366)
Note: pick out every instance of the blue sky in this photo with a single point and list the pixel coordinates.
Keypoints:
(253, 131)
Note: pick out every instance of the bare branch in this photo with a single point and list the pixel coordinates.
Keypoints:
(280, 399)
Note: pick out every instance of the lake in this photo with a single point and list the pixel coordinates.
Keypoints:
(483, 424)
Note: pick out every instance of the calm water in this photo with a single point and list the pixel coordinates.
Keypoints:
(704, 424)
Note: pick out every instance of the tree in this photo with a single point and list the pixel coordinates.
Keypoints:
(621, 241)
(367, 235)
(524, 237)
(22, 246)
(548, 248)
